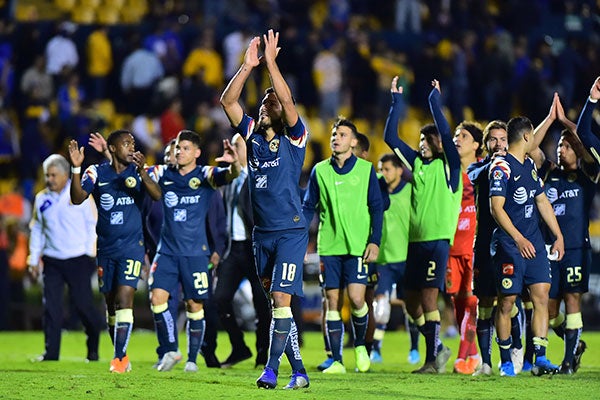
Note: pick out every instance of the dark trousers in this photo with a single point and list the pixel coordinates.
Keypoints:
(209, 345)
(237, 266)
(76, 273)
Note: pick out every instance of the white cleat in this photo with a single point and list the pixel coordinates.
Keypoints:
(169, 360)
(190, 367)
(516, 356)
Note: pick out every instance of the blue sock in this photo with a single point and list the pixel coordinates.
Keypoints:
(560, 330)
(529, 348)
(335, 333)
(292, 350)
(539, 347)
(280, 330)
(414, 336)
(122, 334)
(195, 336)
(571, 341)
(515, 331)
(165, 330)
(431, 347)
(359, 327)
(505, 346)
(484, 338)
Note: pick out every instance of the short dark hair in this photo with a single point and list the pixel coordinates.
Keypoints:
(363, 141)
(271, 89)
(341, 121)
(570, 138)
(517, 127)
(115, 135)
(428, 131)
(394, 159)
(189, 135)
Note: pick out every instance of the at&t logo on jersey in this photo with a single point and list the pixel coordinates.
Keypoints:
(107, 201)
(552, 194)
(520, 195)
(171, 199)
(271, 164)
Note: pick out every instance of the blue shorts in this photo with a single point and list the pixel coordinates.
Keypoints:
(168, 271)
(373, 277)
(484, 276)
(120, 271)
(426, 265)
(572, 273)
(279, 258)
(514, 273)
(388, 275)
(340, 271)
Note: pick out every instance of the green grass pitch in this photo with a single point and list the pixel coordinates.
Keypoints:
(73, 378)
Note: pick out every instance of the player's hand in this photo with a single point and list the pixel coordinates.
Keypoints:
(271, 50)
(371, 253)
(558, 247)
(552, 113)
(560, 111)
(526, 248)
(75, 154)
(436, 84)
(98, 142)
(251, 57)
(139, 160)
(215, 259)
(595, 90)
(395, 88)
(230, 155)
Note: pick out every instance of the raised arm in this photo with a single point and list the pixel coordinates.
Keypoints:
(78, 195)
(231, 95)
(390, 135)
(230, 156)
(443, 128)
(282, 90)
(584, 124)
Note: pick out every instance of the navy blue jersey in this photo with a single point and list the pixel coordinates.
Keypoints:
(519, 184)
(479, 175)
(119, 198)
(274, 169)
(186, 200)
(571, 194)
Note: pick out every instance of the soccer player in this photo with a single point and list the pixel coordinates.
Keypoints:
(345, 191)
(183, 250)
(570, 188)
(391, 263)
(238, 264)
(62, 244)
(468, 138)
(275, 151)
(118, 188)
(518, 252)
(433, 219)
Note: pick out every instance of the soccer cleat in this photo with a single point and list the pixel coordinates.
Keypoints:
(237, 356)
(462, 367)
(376, 357)
(507, 369)
(566, 369)
(543, 366)
(335, 368)
(484, 369)
(157, 363)
(190, 367)
(298, 381)
(474, 362)
(427, 368)
(363, 362)
(120, 366)
(581, 346)
(516, 356)
(267, 380)
(442, 359)
(527, 366)
(325, 364)
(414, 357)
(169, 360)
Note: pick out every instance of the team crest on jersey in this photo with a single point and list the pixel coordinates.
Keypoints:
(529, 211)
(194, 183)
(130, 182)
(261, 182)
(180, 215)
(274, 145)
(534, 174)
(507, 283)
(296, 218)
(572, 177)
(116, 218)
